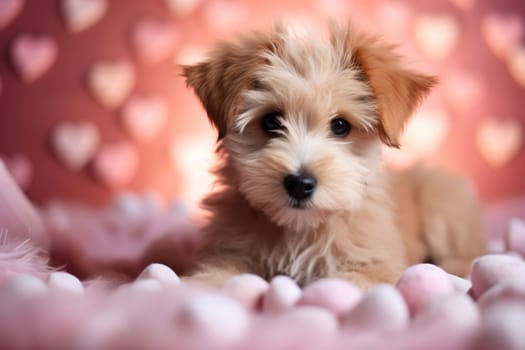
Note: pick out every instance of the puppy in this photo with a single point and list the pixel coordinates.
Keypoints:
(300, 187)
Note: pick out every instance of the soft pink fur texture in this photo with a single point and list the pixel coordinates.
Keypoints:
(143, 229)
(24, 242)
(22, 258)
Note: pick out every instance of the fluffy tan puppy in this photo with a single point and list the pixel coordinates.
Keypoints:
(301, 191)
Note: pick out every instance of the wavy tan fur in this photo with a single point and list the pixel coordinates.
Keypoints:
(355, 224)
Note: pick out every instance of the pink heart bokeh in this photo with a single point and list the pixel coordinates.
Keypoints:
(154, 40)
(9, 10)
(224, 16)
(82, 14)
(463, 89)
(502, 32)
(144, 116)
(33, 55)
(110, 82)
(394, 18)
(499, 141)
(182, 7)
(516, 65)
(74, 144)
(115, 164)
(436, 35)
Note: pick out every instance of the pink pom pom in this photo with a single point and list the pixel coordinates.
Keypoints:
(490, 270)
(248, 289)
(309, 318)
(502, 327)
(336, 295)
(142, 286)
(282, 294)
(422, 283)
(161, 273)
(460, 284)
(381, 309)
(65, 282)
(218, 318)
(100, 329)
(504, 291)
(456, 312)
(25, 286)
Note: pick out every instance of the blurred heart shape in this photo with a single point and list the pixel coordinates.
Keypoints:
(115, 164)
(79, 15)
(223, 16)
(153, 40)
(9, 10)
(33, 55)
(20, 168)
(426, 131)
(394, 18)
(502, 32)
(463, 89)
(516, 65)
(465, 5)
(144, 116)
(75, 143)
(499, 140)
(182, 7)
(110, 82)
(423, 135)
(436, 35)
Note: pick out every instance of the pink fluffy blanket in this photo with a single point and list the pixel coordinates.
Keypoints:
(74, 277)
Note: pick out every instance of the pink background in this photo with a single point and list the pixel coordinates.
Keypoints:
(29, 112)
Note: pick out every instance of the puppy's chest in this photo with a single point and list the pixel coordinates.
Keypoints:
(300, 259)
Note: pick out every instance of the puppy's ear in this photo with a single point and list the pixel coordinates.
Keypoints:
(220, 80)
(397, 90)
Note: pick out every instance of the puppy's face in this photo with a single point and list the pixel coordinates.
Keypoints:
(303, 119)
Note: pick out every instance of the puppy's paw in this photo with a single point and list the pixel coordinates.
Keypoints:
(214, 273)
(370, 275)
(213, 278)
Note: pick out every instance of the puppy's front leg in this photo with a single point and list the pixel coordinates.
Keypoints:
(366, 276)
(215, 271)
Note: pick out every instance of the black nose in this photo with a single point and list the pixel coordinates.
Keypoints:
(300, 186)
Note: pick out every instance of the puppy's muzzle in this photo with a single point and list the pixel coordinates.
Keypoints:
(300, 187)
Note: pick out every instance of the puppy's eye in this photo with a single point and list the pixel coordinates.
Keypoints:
(271, 123)
(340, 127)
